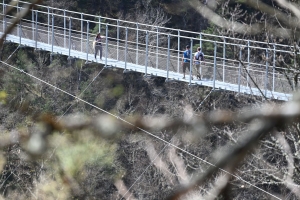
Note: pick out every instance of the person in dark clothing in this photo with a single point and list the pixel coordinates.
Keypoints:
(98, 45)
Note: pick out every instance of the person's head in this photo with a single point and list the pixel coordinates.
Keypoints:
(187, 47)
(98, 35)
(198, 49)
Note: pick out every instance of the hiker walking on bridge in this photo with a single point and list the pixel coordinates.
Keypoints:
(198, 60)
(98, 45)
(186, 60)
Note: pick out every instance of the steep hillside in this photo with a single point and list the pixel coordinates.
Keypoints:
(135, 153)
(76, 131)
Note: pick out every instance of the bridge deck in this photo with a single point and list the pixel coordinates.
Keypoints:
(150, 70)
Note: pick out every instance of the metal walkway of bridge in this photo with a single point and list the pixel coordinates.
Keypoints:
(154, 50)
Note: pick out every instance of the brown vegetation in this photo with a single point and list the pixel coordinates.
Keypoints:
(95, 133)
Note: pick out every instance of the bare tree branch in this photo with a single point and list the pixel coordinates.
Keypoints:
(16, 20)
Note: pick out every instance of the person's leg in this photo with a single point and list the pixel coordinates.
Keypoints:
(195, 69)
(198, 71)
(100, 48)
(184, 66)
(190, 70)
(96, 51)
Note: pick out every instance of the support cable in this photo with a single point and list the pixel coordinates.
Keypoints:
(204, 99)
(167, 145)
(141, 129)
(159, 153)
(11, 54)
(81, 93)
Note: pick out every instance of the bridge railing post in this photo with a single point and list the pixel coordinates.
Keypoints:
(201, 40)
(157, 43)
(18, 12)
(48, 25)
(81, 31)
(168, 60)
(5, 22)
(224, 57)
(118, 38)
(267, 69)
(20, 29)
(137, 44)
(200, 43)
(99, 24)
(146, 59)
(32, 23)
(240, 69)
(87, 41)
(70, 28)
(4, 17)
(36, 29)
(274, 61)
(178, 54)
(106, 44)
(52, 38)
(215, 65)
(65, 28)
(191, 62)
(126, 48)
(20, 34)
(248, 60)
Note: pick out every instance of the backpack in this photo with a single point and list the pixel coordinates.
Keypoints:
(200, 56)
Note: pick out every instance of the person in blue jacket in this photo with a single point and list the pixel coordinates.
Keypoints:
(186, 60)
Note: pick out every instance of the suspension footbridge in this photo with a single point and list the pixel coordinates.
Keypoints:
(233, 64)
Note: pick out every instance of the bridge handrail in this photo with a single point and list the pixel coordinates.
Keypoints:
(93, 35)
(159, 27)
(218, 64)
(173, 35)
(174, 50)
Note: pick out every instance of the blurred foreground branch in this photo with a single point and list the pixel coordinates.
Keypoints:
(18, 17)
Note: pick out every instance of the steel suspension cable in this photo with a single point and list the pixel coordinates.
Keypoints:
(204, 99)
(12, 54)
(147, 167)
(82, 93)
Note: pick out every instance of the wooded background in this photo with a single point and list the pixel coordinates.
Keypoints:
(145, 138)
